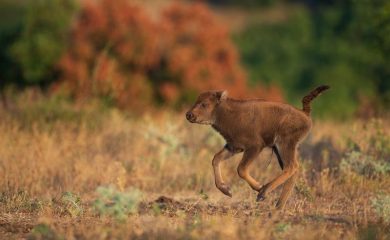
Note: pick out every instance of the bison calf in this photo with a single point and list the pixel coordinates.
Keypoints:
(251, 125)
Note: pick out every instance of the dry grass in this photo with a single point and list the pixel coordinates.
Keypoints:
(163, 155)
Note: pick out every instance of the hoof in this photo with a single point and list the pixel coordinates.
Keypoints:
(261, 195)
(225, 189)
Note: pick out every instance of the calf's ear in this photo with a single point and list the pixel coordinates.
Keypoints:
(221, 95)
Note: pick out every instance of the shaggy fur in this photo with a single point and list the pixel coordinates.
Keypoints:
(251, 125)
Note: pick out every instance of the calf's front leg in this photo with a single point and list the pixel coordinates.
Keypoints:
(243, 168)
(218, 158)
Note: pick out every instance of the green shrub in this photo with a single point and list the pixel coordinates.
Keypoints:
(43, 231)
(372, 161)
(364, 164)
(43, 38)
(343, 45)
(71, 204)
(381, 204)
(11, 12)
(114, 203)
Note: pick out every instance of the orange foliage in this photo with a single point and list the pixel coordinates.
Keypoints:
(198, 50)
(117, 50)
(113, 45)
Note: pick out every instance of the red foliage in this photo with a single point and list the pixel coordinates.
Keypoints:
(116, 50)
(198, 49)
(113, 45)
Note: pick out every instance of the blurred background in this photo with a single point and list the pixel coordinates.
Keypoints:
(159, 54)
(93, 139)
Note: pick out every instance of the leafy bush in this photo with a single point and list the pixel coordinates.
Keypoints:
(381, 204)
(43, 231)
(118, 52)
(364, 164)
(112, 46)
(43, 38)
(12, 13)
(373, 160)
(342, 44)
(71, 204)
(117, 204)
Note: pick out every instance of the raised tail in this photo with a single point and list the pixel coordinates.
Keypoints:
(313, 94)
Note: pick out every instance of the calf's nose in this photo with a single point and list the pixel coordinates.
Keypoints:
(189, 115)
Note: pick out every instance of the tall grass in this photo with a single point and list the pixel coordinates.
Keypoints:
(52, 166)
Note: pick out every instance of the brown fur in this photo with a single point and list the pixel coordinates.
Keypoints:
(251, 125)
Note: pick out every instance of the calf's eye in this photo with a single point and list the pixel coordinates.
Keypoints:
(203, 105)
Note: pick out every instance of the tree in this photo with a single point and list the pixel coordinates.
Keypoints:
(112, 46)
(43, 38)
(11, 13)
(118, 53)
(340, 43)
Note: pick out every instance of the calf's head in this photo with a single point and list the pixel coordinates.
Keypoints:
(203, 111)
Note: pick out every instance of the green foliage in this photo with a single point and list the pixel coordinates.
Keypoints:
(372, 26)
(117, 204)
(339, 45)
(71, 204)
(156, 209)
(43, 231)
(37, 110)
(373, 231)
(43, 39)
(381, 204)
(304, 190)
(267, 49)
(373, 161)
(203, 194)
(11, 13)
(364, 164)
(282, 227)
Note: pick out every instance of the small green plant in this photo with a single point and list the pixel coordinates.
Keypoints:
(117, 204)
(71, 204)
(193, 222)
(43, 231)
(156, 209)
(282, 227)
(373, 231)
(373, 160)
(364, 164)
(304, 190)
(381, 204)
(203, 194)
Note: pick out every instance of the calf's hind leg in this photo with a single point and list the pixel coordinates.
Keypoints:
(288, 154)
(288, 185)
(286, 192)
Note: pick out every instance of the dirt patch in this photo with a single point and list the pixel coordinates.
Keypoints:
(171, 207)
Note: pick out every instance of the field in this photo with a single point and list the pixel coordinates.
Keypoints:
(103, 174)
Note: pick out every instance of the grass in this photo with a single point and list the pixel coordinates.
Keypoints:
(150, 177)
